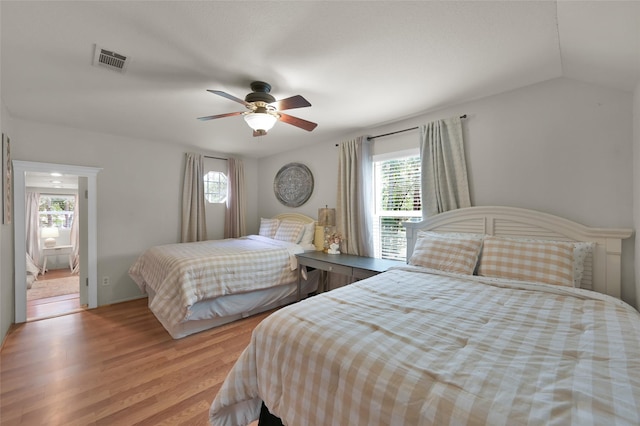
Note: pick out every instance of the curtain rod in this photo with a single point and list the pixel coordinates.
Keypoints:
(401, 131)
(216, 158)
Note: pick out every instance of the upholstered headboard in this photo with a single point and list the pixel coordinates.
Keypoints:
(602, 270)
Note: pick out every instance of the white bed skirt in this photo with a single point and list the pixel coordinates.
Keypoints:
(207, 314)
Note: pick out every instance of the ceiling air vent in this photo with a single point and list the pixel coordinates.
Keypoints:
(109, 59)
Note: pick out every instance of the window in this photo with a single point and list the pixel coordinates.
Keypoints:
(56, 210)
(397, 200)
(215, 187)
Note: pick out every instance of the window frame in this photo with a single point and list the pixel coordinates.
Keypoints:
(381, 250)
(207, 184)
(48, 214)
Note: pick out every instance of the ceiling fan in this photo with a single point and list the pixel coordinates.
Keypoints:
(263, 110)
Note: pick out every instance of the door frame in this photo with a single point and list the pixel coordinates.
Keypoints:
(19, 228)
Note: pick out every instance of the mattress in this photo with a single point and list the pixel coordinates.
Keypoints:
(412, 346)
(211, 313)
(181, 275)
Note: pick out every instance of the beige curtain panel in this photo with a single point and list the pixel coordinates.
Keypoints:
(32, 225)
(234, 221)
(445, 185)
(194, 226)
(75, 237)
(354, 196)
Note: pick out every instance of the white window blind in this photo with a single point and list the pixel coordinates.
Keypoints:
(397, 199)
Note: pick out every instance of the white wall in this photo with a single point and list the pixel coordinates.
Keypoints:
(6, 250)
(562, 147)
(322, 160)
(139, 192)
(6, 270)
(636, 182)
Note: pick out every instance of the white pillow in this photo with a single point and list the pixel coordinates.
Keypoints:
(268, 227)
(309, 233)
(290, 231)
(580, 252)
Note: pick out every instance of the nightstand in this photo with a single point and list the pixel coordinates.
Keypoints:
(57, 251)
(359, 267)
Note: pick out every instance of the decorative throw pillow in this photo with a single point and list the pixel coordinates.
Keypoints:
(457, 254)
(268, 227)
(290, 231)
(549, 262)
(309, 233)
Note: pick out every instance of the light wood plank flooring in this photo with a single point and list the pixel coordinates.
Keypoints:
(53, 306)
(114, 365)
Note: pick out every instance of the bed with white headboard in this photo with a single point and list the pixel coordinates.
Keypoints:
(601, 268)
(446, 342)
(192, 287)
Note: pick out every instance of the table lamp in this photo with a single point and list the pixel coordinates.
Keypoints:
(50, 235)
(326, 219)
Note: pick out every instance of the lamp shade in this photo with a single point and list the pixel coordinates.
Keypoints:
(260, 121)
(50, 232)
(326, 217)
(50, 235)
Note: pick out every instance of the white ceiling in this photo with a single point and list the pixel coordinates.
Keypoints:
(360, 64)
(60, 181)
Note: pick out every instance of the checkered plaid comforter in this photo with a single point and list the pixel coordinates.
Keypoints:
(183, 274)
(413, 348)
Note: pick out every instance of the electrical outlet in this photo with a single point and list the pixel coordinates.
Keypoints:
(105, 281)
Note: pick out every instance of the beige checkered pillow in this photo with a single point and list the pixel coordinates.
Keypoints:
(290, 231)
(268, 227)
(545, 262)
(450, 254)
(581, 251)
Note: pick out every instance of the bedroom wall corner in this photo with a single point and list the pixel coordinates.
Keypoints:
(321, 159)
(636, 187)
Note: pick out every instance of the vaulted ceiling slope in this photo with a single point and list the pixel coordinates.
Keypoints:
(360, 63)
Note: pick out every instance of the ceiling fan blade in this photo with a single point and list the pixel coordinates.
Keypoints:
(231, 97)
(211, 117)
(291, 103)
(298, 122)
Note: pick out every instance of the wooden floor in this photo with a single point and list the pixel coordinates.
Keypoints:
(114, 365)
(53, 306)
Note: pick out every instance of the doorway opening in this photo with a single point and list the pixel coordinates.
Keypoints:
(81, 252)
(53, 283)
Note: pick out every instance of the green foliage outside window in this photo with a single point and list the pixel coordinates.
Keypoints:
(398, 194)
(401, 186)
(56, 211)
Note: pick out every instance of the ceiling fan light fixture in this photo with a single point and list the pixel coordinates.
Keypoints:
(264, 110)
(260, 121)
